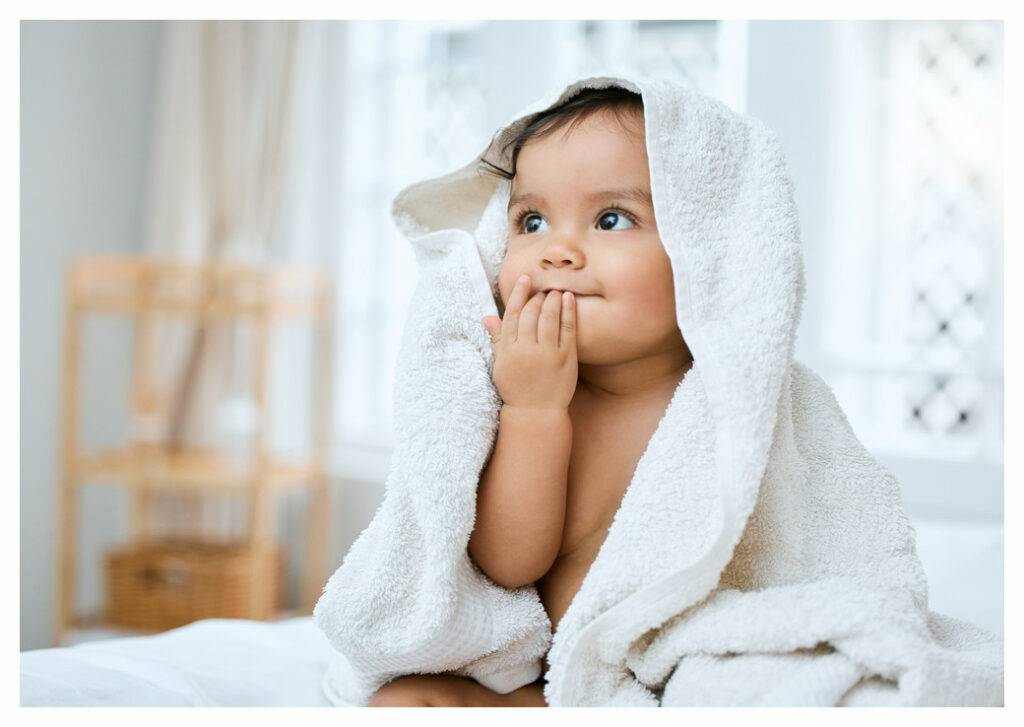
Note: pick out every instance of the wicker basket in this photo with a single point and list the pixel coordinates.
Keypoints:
(159, 585)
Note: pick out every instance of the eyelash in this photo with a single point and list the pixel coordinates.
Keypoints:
(522, 215)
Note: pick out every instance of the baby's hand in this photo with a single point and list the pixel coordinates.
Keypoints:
(535, 348)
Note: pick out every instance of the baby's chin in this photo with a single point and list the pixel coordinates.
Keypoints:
(601, 352)
(607, 348)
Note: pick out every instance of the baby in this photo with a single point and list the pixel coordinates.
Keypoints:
(588, 353)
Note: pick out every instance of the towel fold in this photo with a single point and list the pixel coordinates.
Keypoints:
(760, 555)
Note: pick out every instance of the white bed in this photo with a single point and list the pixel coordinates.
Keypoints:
(227, 662)
(211, 663)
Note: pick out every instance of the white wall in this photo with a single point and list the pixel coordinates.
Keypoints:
(86, 112)
(786, 90)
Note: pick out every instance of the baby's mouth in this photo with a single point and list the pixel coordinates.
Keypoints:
(574, 293)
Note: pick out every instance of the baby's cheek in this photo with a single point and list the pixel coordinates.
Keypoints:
(650, 304)
(653, 308)
(503, 287)
(662, 290)
(507, 277)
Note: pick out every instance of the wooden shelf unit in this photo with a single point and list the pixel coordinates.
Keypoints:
(200, 469)
(145, 290)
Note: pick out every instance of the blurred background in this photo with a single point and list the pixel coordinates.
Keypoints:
(212, 291)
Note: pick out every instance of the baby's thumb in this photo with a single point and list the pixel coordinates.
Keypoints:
(493, 326)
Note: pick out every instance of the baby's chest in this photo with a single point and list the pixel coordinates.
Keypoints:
(599, 475)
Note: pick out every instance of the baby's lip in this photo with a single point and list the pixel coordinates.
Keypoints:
(576, 293)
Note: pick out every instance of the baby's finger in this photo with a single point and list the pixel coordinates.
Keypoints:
(516, 301)
(547, 324)
(567, 337)
(528, 318)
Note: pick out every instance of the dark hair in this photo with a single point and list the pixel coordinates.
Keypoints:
(573, 111)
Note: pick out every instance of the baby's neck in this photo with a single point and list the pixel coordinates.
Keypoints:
(637, 378)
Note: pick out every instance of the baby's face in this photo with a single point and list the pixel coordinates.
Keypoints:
(580, 219)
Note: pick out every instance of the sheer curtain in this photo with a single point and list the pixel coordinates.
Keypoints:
(221, 175)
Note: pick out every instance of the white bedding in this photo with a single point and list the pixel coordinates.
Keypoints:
(211, 663)
(228, 662)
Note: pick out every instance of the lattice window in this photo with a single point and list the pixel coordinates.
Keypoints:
(684, 50)
(944, 206)
(933, 386)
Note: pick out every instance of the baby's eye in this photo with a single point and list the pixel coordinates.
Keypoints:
(529, 223)
(609, 219)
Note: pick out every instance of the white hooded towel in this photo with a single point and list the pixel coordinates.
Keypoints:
(760, 555)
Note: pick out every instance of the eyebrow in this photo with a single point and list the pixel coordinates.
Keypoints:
(636, 194)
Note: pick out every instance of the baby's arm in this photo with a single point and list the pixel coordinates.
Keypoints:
(521, 498)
